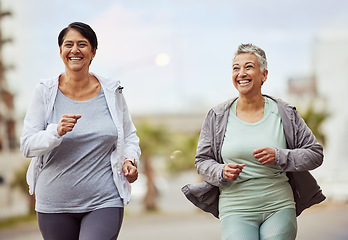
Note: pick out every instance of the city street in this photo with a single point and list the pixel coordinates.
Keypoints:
(326, 222)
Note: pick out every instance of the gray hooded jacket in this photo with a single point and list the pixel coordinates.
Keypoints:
(304, 153)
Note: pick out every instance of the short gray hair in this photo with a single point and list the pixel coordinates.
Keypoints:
(259, 53)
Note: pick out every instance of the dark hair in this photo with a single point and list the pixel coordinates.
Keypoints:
(85, 31)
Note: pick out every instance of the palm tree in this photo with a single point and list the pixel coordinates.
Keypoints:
(152, 141)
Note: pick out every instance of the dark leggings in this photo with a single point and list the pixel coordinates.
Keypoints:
(103, 224)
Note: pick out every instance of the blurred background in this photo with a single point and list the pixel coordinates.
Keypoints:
(174, 60)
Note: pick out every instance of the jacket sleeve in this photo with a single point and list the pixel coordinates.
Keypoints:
(307, 153)
(37, 138)
(131, 140)
(206, 157)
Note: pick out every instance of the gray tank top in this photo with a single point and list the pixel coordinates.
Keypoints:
(77, 175)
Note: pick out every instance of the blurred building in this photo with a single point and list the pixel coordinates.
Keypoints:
(331, 68)
(326, 90)
(180, 123)
(7, 114)
(12, 200)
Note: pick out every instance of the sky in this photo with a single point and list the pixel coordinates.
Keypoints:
(196, 39)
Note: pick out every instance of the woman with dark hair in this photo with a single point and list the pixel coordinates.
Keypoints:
(254, 153)
(83, 146)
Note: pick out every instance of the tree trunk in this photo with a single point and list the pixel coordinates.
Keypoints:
(31, 204)
(150, 199)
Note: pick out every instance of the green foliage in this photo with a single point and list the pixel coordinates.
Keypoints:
(183, 157)
(314, 119)
(19, 180)
(153, 139)
(178, 149)
(9, 222)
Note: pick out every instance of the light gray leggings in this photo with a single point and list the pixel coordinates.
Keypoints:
(101, 224)
(280, 225)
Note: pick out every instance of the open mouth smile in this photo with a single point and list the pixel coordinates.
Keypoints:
(243, 82)
(75, 58)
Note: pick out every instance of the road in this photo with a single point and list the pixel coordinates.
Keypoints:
(327, 222)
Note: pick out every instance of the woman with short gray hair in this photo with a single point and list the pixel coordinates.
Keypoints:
(254, 153)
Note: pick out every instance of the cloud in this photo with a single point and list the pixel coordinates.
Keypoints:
(128, 40)
(198, 36)
(129, 44)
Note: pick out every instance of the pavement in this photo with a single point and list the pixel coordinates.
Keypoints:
(323, 222)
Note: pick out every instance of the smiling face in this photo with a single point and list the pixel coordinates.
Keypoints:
(246, 74)
(76, 51)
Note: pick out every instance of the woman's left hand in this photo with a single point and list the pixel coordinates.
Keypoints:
(130, 171)
(266, 156)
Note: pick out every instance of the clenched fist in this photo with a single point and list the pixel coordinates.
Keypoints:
(67, 123)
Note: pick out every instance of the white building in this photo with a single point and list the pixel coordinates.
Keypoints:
(326, 88)
(331, 73)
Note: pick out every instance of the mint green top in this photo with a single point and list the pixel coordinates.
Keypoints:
(259, 188)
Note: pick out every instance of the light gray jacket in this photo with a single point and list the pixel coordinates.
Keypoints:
(303, 153)
(39, 137)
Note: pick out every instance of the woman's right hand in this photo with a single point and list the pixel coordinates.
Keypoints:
(232, 171)
(67, 123)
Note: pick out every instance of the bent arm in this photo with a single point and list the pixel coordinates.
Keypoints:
(307, 154)
(37, 138)
(206, 157)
